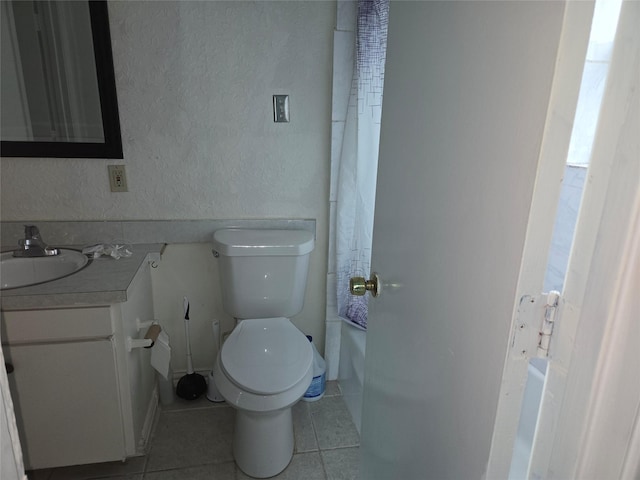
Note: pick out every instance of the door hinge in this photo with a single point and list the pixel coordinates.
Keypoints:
(37, 21)
(548, 322)
(534, 325)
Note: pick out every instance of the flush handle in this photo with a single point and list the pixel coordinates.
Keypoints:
(360, 286)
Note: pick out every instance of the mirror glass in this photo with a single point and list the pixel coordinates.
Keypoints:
(58, 87)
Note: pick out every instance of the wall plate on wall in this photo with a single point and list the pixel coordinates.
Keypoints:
(117, 178)
(281, 108)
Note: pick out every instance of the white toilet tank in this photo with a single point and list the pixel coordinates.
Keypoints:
(263, 273)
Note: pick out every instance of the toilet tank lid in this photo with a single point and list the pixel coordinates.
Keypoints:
(241, 242)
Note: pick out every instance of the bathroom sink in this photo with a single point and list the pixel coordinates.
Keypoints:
(25, 271)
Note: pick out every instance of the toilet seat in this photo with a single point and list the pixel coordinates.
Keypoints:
(266, 356)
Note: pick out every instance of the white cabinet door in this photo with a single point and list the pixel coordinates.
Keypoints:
(66, 400)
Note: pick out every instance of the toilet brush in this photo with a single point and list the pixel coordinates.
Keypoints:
(192, 385)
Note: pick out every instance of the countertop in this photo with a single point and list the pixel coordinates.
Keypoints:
(105, 281)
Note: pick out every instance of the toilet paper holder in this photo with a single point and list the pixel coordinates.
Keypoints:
(153, 330)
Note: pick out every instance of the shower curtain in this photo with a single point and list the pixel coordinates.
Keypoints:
(359, 158)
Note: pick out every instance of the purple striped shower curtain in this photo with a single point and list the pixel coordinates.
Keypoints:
(359, 158)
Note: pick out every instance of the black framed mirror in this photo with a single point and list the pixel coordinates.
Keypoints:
(58, 83)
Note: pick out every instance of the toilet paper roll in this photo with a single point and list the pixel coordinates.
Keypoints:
(152, 334)
(161, 355)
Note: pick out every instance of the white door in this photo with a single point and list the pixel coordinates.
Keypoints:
(464, 213)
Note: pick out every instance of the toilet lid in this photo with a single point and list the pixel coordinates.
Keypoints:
(266, 356)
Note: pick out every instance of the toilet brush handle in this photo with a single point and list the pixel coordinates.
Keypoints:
(189, 359)
(185, 304)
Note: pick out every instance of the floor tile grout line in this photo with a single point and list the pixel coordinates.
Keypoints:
(341, 447)
(324, 467)
(315, 434)
(198, 464)
(192, 465)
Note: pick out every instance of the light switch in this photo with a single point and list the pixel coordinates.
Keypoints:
(280, 108)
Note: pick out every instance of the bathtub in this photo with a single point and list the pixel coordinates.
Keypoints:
(351, 379)
(351, 369)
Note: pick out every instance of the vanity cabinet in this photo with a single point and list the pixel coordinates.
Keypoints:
(80, 396)
(66, 397)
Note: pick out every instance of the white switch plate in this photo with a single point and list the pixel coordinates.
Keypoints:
(117, 178)
(281, 108)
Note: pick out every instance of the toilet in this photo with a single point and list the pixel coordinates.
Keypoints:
(265, 365)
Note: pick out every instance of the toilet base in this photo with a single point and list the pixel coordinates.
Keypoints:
(263, 443)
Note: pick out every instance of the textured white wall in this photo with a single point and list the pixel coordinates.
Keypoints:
(195, 82)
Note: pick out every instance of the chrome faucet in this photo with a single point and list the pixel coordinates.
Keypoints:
(32, 244)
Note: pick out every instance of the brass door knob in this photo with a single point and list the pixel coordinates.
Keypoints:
(359, 285)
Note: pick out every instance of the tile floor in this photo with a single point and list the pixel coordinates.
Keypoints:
(192, 440)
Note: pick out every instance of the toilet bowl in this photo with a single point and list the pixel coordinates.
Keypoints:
(263, 368)
(265, 365)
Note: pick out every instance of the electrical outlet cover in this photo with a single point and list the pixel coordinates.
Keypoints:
(117, 178)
